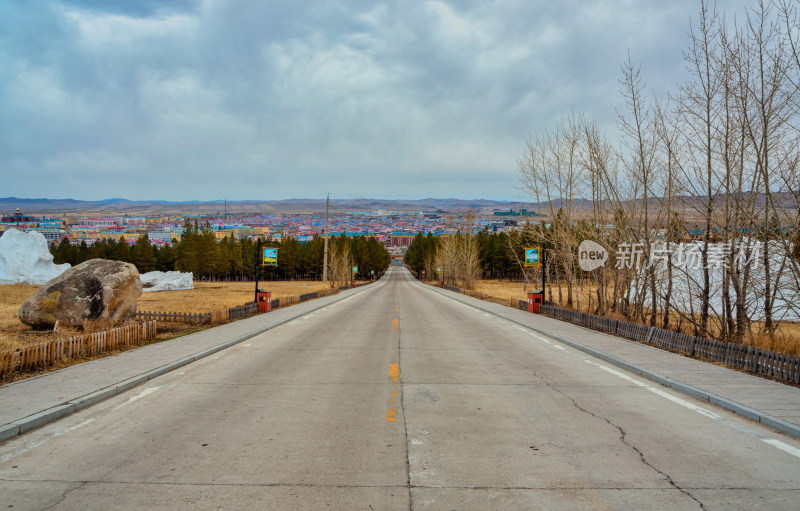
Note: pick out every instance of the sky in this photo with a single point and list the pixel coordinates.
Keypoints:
(267, 100)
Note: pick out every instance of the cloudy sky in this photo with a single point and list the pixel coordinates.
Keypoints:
(238, 99)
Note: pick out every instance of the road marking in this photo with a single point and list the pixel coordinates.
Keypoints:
(140, 395)
(700, 410)
(397, 307)
(394, 372)
(617, 373)
(390, 415)
(395, 324)
(11, 455)
(33, 445)
(73, 428)
(782, 446)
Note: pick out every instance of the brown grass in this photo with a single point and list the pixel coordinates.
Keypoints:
(211, 296)
(14, 333)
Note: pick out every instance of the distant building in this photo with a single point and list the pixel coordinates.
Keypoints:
(51, 235)
(18, 217)
(511, 212)
(102, 222)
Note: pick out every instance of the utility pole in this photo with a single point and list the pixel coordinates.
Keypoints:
(325, 249)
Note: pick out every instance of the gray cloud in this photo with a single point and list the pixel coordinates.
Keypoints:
(264, 100)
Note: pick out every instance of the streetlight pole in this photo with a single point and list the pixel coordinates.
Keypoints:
(544, 271)
(257, 266)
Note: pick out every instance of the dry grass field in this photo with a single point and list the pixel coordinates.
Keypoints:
(206, 297)
(211, 296)
(14, 333)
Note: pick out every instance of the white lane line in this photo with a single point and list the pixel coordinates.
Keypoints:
(73, 428)
(617, 373)
(33, 445)
(140, 395)
(682, 402)
(700, 410)
(782, 446)
(13, 454)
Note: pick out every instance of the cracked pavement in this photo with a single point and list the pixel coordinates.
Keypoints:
(397, 398)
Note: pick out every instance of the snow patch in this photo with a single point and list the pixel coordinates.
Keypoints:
(25, 259)
(687, 285)
(155, 281)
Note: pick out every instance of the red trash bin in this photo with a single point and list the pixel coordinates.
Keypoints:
(535, 299)
(264, 300)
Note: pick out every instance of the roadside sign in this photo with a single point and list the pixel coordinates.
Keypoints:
(270, 257)
(533, 256)
(355, 269)
(439, 269)
(372, 272)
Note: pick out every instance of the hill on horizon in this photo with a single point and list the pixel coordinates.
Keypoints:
(126, 206)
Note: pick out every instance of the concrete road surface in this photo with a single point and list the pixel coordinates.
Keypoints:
(400, 398)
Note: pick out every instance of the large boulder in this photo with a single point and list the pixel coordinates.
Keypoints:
(98, 289)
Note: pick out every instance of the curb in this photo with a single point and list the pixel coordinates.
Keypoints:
(52, 414)
(781, 425)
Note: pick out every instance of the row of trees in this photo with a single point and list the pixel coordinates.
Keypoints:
(719, 158)
(463, 258)
(208, 258)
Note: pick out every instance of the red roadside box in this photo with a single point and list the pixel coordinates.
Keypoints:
(264, 300)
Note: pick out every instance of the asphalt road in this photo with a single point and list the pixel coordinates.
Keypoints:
(400, 398)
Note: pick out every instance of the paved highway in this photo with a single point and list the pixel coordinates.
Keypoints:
(400, 398)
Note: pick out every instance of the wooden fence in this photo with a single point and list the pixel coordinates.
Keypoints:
(193, 318)
(49, 353)
(751, 359)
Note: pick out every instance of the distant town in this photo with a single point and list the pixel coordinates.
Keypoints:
(393, 229)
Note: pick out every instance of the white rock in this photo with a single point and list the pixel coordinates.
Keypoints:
(25, 259)
(166, 281)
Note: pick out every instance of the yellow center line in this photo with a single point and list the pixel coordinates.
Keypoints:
(394, 372)
(395, 324)
(390, 415)
(396, 308)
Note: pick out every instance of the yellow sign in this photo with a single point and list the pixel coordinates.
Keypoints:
(533, 256)
(270, 257)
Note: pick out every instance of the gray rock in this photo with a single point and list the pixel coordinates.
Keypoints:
(98, 289)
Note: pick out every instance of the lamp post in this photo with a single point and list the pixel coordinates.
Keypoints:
(257, 266)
